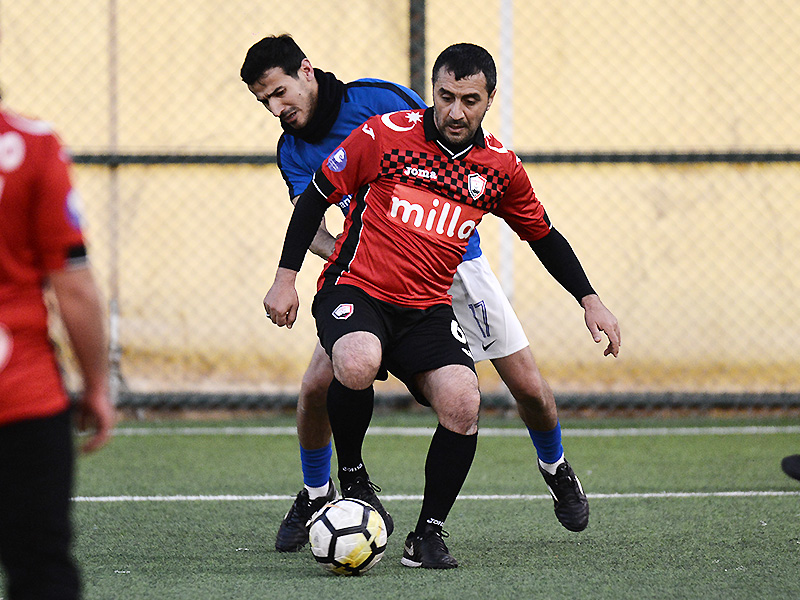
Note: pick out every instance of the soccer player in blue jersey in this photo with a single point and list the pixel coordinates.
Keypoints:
(317, 111)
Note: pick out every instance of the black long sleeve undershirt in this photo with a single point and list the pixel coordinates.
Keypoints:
(558, 257)
(303, 226)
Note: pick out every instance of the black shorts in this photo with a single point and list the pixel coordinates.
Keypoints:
(413, 340)
(36, 475)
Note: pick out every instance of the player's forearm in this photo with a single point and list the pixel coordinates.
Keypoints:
(303, 227)
(82, 313)
(558, 257)
(323, 243)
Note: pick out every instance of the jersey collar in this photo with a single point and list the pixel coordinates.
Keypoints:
(432, 135)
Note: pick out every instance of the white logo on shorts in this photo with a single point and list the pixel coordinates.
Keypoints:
(457, 332)
(343, 311)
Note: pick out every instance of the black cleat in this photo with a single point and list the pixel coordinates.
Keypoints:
(364, 489)
(791, 466)
(571, 505)
(427, 551)
(293, 532)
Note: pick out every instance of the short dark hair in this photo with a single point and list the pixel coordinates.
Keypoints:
(463, 60)
(273, 51)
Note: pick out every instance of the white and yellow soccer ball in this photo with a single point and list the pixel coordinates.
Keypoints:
(348, 536)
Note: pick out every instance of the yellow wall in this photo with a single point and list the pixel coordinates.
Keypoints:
(698, 262)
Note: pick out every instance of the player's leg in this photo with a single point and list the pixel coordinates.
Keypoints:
(536, 404)
(35, 489)
(356, 359)
(314, 434)
(350, 328)
(495, 333)
(537, 408)
(437, 352)
(453, 394)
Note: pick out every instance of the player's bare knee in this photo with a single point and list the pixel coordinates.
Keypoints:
(464, 422)
(535, 394)
(355, 372)
(458, 411)
(356, 358)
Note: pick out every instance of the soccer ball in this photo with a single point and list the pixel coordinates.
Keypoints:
(348, 536)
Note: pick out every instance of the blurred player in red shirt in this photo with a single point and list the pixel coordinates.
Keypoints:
(42, 246)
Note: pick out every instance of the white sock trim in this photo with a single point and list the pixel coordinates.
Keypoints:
(551, 467)
(318, 492)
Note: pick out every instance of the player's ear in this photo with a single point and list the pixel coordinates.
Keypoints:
(306, 70)
(491, 98)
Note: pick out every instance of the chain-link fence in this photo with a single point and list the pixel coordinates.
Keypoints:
(663, 138)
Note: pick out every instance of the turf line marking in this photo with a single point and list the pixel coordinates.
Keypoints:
(488, 432)
(268, 497)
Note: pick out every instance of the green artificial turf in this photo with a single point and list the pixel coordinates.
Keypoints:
(640, 542)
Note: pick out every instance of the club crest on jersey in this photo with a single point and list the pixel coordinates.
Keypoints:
(343, 311)
(338, 160)
(476, 184)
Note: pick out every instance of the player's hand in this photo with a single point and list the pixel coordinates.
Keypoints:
(96, 412)
(600, 319)
(281, 301)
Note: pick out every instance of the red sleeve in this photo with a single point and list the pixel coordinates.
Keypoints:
(356, 161)
(57, 217)
(520, 208)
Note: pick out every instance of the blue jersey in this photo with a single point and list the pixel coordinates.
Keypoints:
(298, 160)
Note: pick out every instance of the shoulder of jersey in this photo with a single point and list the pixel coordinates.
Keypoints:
(370, 91)
(29, 126)
(495, 145)
(401, 120)
(370, 83)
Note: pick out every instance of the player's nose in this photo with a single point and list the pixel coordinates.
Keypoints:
(456, 111)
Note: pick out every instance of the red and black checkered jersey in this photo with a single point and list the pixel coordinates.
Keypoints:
(414, 207)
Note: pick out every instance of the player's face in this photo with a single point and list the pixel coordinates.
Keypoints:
(459, 105)
(292, 99)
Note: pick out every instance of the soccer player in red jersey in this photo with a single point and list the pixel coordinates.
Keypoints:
(41, 245)
(421, 182)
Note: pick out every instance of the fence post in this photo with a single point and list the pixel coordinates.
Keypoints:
(416, 46)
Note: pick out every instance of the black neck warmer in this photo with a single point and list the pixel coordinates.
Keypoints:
(329, 101)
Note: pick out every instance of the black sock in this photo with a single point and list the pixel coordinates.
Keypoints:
(449, 459)
(349, 412)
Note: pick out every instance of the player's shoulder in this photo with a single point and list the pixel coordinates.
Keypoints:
(27, 125)
(369, 90)
(289, 146)
(23, 139)
(495, 148)
(395, 123)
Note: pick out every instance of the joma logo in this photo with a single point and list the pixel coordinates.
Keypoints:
(423, 173)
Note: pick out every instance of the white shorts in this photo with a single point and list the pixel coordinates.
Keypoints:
(484, 313)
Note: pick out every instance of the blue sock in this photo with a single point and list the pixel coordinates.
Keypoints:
(316, 465)
(548, 443)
